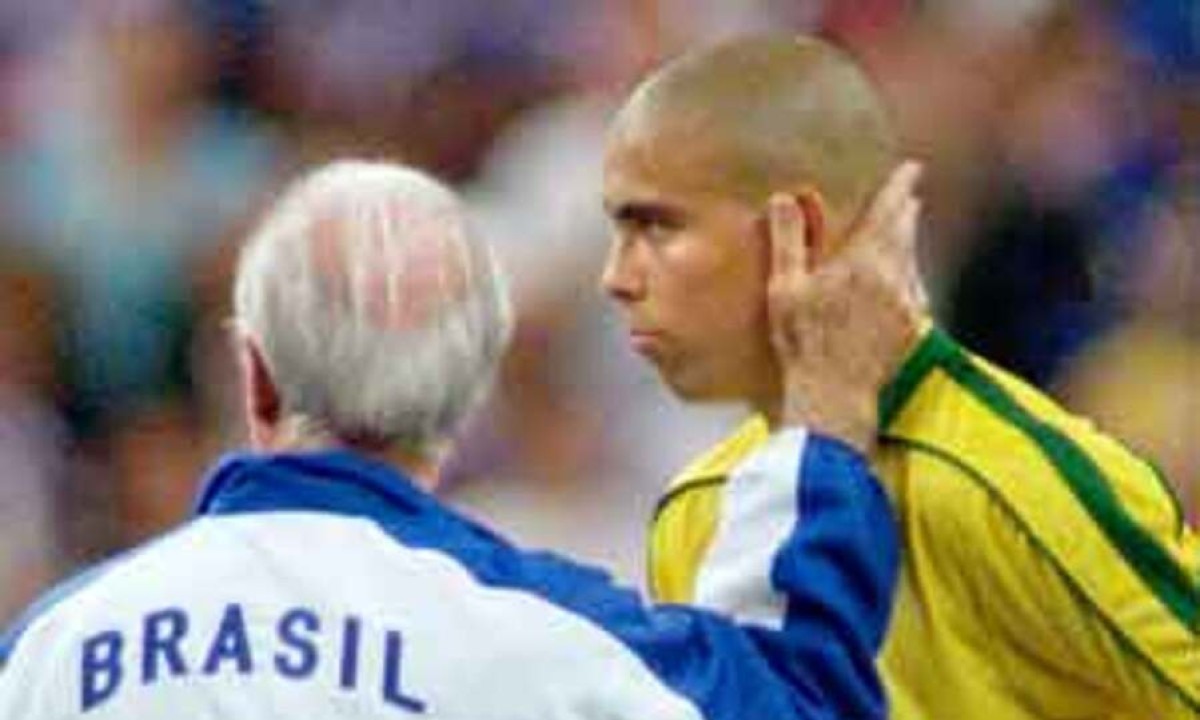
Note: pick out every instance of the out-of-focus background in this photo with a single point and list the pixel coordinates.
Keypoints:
(140, 138)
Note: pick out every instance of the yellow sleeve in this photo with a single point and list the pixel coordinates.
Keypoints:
(1071, 632)
(1056, 636)
(1048, 571)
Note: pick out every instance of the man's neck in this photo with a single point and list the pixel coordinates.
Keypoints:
(768, 402)
(772, 412)
(422, 467)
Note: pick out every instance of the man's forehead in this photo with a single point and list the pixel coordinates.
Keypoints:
(657, 163)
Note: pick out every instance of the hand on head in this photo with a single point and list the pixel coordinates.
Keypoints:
(841, 329)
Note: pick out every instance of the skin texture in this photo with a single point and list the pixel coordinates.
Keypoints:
(693, 161)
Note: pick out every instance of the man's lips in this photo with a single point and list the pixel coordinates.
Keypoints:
(645, 342)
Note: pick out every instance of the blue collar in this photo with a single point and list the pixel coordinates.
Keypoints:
(337, 481)
(340, 482)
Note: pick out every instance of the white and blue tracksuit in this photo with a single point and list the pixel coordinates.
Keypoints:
(326, 585)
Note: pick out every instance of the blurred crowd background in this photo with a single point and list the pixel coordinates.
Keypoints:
(139, 139)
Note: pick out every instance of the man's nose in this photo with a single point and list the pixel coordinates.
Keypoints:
(620, 279)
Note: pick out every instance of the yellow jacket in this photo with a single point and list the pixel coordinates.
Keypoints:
(1047, 571)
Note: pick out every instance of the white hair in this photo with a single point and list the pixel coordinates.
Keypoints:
(379, 316)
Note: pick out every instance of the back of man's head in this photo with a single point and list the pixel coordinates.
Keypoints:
(379, 317)
(770, 113)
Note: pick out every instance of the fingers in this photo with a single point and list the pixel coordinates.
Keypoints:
(907, 227)
(887, 236)
(788, 272)
(789, 244)
(888, 204)
(900, 186)
(893, 258)
(906, 255)
(899, 240)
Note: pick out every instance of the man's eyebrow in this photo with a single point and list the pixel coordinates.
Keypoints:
(640, 212)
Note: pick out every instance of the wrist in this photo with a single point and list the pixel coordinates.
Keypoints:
(842, 411)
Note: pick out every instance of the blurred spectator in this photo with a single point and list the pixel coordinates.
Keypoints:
(1140, 381)
(126, 181)
(1079, 155)
(124, 184)
(431, 83)
(31, 440)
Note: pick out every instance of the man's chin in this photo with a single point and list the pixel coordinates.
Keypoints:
(690, 390)
(690, 387)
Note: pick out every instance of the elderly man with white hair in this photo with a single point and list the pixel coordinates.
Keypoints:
(321, 577)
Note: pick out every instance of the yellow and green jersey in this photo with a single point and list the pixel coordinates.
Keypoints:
(1047, 572)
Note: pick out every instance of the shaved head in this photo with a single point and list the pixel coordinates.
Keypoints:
(764, 114)
(689, 166)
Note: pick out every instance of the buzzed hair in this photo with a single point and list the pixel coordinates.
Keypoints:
(773, 114)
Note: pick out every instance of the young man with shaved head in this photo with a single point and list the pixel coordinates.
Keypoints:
(1047, 571)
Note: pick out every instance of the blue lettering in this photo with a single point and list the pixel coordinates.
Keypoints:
(100, 668)
(303, 661)
(297, 654)
(391, 676)
(230, 644)
(351, 639)
(162, 634)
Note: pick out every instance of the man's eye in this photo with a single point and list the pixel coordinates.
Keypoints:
(647, 224)
(656, 227)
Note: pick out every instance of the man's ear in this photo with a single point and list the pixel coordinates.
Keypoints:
(261, 396)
